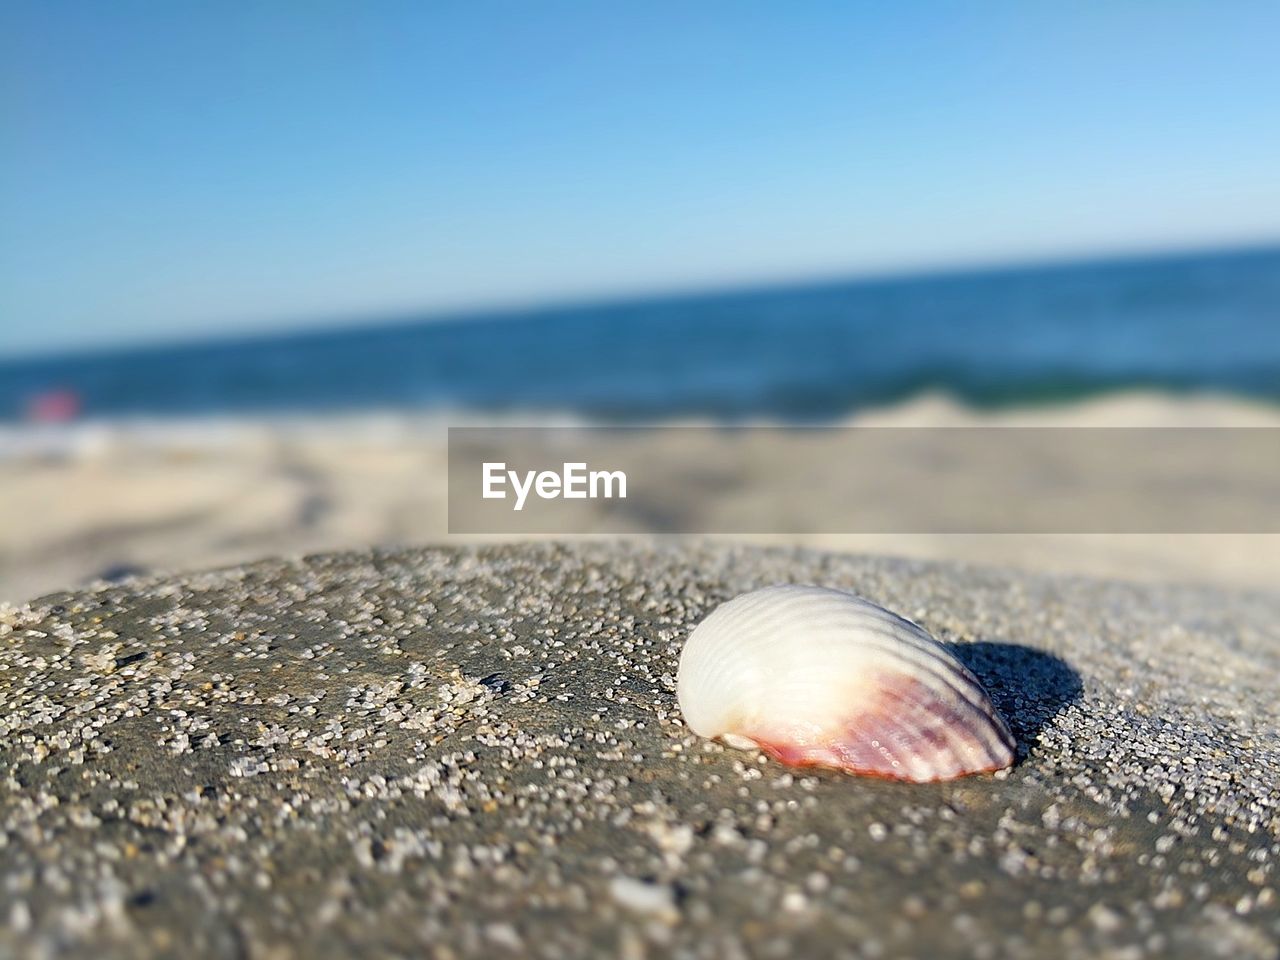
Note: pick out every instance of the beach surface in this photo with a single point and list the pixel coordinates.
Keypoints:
(476, 752)
(103, 500)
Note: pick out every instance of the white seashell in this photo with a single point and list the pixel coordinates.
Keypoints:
(818, 677)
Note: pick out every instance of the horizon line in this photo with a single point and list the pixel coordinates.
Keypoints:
(392, 319)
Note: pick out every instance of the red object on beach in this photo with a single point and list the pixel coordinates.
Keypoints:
(54, 406)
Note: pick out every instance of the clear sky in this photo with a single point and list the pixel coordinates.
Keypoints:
(170, 170)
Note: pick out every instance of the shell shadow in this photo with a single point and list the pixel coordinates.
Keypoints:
(1029, 687)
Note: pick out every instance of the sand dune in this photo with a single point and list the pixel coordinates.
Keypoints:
(106, 499)
(479, 753)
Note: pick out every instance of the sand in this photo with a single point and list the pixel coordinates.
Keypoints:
(477, 753)
(106, 499)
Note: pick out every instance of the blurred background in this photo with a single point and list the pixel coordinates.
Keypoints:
(255, 258)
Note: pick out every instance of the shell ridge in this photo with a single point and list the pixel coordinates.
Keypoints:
(936, 655)
(931, 733)
(959, 754)
(893, 627)
(974, 722)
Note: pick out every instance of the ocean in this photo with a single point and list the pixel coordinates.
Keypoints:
(805, 352)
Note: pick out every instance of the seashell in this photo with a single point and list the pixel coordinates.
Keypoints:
(818, 677)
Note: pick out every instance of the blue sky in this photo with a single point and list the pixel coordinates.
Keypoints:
(177, 170)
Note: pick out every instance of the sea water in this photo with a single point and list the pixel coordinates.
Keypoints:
(993, 337)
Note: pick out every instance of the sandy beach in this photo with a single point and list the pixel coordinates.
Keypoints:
(114, 498)
(390, 392)
(477, 753)
(473, 750)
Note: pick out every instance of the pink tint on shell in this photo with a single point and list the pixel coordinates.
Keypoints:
(908, 733)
